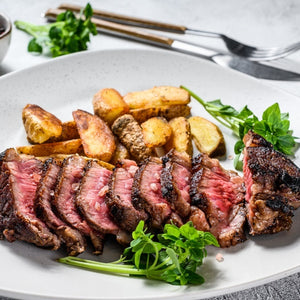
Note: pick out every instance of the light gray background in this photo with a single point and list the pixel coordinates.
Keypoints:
(258, 22)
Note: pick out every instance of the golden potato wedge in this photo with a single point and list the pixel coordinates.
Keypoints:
(47, 149)
(207, 136)
(180, 139)
(167, 111)
(109, 105)
(69, 132)
(120, 153)
(157, 96)
(40, 125)
(156, 132)
(97, 138)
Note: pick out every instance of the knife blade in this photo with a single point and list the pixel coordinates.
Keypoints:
(243, 65)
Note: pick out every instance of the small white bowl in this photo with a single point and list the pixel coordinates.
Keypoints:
(5, 35)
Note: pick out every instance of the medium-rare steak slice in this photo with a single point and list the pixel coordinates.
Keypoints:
(118, 198)
(220, 195)
(20, 176)
(175, 181)
(272, 183)
(72, 238)
(64, 200)
(90, 198)
(147, 192)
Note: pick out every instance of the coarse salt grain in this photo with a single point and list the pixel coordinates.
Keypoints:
(219, 257)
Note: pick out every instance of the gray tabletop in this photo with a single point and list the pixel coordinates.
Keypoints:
(263, 23)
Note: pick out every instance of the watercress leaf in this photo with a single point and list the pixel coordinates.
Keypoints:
(238, 162)
(88, 11)
(273, 109)
(194, 278)
(210, 239)
(34, 46)
(238, 147)
(174, 258)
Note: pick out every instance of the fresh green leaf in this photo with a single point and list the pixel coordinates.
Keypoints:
(67, 35)
(175, 258)
(273, 126)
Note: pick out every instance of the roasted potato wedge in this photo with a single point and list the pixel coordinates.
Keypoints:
(47, 149)
(167, 111)
(157, 96)
(40, 125)
(97, 138)
(207, 136)
(69, 132)
(156, 132)
(180, 139)
(109, 105)
(120, 153)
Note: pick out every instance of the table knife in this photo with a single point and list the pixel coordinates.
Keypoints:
(243, 65)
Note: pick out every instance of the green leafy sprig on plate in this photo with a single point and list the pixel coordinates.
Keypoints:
(67, 35)
(274, 125)
(172, 256)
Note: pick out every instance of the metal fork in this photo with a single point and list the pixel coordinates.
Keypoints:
(247, 51)
(234, 46)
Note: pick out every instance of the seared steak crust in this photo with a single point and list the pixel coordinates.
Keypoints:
(175, 181)
(72, 238)
(64, 201)
(118, 197)
(20, 176)
(219, 194)
(272, 184)
(147, 194)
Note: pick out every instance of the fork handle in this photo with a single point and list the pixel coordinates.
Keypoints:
(123, 29)
(123, 19)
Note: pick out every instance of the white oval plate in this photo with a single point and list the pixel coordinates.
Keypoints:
(69, 83)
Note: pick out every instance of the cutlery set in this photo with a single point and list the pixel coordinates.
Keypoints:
(240, 57)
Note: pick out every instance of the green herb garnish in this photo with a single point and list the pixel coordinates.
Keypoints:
(274, 125)
(67, 35)
(174, 256)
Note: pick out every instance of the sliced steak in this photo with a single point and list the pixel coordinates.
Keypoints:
(20, 176)
(175, 181)
(272, 183)
(147, 192)
(72, 238)
(219, 194)
(64, 200)
(90, 198)
(118, 198)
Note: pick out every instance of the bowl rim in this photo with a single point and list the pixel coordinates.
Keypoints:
(8, 27)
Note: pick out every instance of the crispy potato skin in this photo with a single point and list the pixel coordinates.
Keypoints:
(69, 132)
(40, 125)
(166, 111)
(156, 132)
(207, 136)
(109, 105)
(157, 96)
(120, 153)
(129, 132)
(47, 149)
(180, 139)
(97, 138)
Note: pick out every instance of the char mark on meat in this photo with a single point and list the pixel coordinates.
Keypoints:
(219, 196)
(272, 186)
(69, 180)
(90, 198)
(175, 181)
(20, 176)
(72, 238)
(118, 198)
(147, 192)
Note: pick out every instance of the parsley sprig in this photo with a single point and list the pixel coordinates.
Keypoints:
(67, 35)
(274, 126)
(172, 256)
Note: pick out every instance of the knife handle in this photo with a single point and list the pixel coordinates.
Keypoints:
(123, 29)
(109, 16)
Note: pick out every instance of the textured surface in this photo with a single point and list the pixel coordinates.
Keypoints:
(264, 23)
